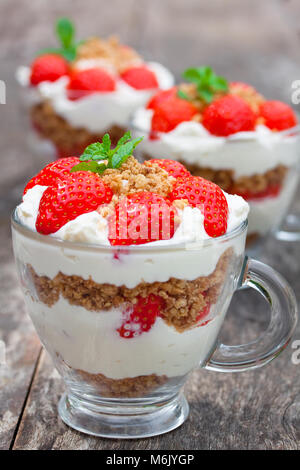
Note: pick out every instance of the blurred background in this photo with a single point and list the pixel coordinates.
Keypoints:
(251, 40)
(256, 41)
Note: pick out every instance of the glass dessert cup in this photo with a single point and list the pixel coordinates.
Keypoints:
(130, 387)
(269, 212)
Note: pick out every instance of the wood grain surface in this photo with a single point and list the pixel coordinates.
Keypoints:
(253, 41)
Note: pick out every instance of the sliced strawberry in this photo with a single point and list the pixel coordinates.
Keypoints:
(277, 115)
(80, 193)
(140, 218)
(228, 115)
(48, 67)
(88, 81)
(53, 172)
(140, 78)
(140, 317)
(161, 96)
(170, 113)
(209, 198)
(175, 169)
(204, 312)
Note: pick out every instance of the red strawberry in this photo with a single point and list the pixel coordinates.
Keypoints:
(140, 77)
(48, 67)
(86, 82)
(53, 172)
(160, 97)
(228, 115)
(170, 113)
(140, 218)
(140, 317)
(79, 194)
(277, 115)
(175, 169)
(209, 198)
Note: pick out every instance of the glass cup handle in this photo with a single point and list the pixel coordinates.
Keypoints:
(273, 287)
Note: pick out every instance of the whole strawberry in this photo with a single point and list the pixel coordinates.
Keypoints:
(228, 115)
(79, 194)
(171, 112)
(140, 317)
(140, 78)
(277, 115)
(141, 218)
(53, 173)
(209, 198)
(86, 82)
(48, 67)
(174, 168)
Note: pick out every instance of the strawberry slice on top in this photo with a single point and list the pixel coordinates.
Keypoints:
(79, 194)
(277, 115)
(141, 218)
(209, 198)
(48, 67)
(140, 78)
(171, 112)
(88, 81)
(228, 115)
(53, 173)
(160, 97)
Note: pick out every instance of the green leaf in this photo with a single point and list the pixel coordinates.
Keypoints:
(106, 143)
(206, 81)
(87, 166)
(94, 151)
(183, 95)
(123, 152)
(50, 50)
(126, 137)
(69, 54)
(65, 31)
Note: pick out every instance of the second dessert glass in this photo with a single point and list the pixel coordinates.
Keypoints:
(129, 387)
(241, 161)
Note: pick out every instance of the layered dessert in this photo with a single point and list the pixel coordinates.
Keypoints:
(81, 90)
(127, 268)
(230, 134)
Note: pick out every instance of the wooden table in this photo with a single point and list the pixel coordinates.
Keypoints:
(255, 41)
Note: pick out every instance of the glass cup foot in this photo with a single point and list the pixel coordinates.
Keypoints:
(120, 421)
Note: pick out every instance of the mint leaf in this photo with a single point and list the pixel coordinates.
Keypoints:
(94, 151)
(65, 31)
(69, 54)
(89, 166)
(183, 95)
(206, 81)
(106, 143)
(124, 139)
(123, 152)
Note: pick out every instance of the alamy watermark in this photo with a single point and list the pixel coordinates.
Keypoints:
(2, 92)
(296, 354)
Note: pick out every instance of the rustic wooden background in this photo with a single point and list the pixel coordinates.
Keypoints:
(244, 40)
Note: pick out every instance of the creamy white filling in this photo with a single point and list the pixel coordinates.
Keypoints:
(89, 341)
(245, 153)
(99, 111)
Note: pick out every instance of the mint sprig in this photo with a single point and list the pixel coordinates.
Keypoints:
(65, 32)
(102, 152)
(206, 81)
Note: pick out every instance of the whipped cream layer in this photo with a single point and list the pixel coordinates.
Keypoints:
(245, 153)
(98, 111)
(89, 341)
(148, 263)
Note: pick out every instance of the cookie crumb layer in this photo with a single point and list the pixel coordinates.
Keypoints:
(183, 300)
(67, 139)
